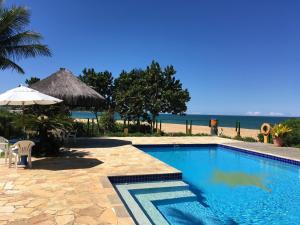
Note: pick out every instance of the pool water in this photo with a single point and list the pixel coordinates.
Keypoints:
(231, 187)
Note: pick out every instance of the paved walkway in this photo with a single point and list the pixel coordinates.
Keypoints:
(74, 188)
(289, 153)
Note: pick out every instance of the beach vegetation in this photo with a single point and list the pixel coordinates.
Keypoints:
(292, 138)
(246, 139)
(16, 41)
(32, 80)
(239, 138)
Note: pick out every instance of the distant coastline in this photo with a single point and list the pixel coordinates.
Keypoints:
(248, 122)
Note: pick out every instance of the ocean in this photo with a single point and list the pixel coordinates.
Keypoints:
(250, 122)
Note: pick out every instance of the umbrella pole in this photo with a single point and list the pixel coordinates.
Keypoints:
(23, 120)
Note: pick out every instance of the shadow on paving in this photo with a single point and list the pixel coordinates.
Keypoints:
(67, 161)
(98, 143)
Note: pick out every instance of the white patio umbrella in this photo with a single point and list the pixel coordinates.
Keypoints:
(26, 96)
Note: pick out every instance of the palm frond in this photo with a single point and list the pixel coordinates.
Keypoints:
(26, 37)
(15, 42)
(13, 20)
(25, 51)
(8, 64)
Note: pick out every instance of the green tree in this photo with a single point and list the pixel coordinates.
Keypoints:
(165, 93)
(130, 95)
(174, 95)
(155, 88)
(32, 80)
(103, 83)
(16, 42)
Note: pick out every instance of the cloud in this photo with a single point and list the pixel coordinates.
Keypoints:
(275, 114)
(253, 113)
(250, 113)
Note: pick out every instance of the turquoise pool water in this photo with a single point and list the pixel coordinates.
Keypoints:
(231, 187)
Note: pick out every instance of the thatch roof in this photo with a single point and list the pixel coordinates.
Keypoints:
(64, 85)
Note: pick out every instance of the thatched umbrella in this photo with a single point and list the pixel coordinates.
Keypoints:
(64, 85)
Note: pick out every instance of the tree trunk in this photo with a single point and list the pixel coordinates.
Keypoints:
(96, 115)
(153, 123)
(138, 122)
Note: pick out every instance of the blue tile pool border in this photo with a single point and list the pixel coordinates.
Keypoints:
(145, 178)
(250, 152)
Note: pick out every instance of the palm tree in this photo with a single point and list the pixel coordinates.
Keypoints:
(15, 41)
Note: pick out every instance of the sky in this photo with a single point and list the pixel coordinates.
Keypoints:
(237, 57)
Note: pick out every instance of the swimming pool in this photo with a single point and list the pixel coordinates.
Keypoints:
(230, 187)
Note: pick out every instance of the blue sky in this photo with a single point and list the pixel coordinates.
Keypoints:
(234, 56)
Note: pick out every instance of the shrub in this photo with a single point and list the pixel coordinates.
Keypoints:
(50, 132)
(201, 134)
(107, 122)
(280, 130)
(260, 137)
(9, 125)
(240, 138)
(246, 139)
(225, 136)
(292, 138)
(249, 139)
(81, 129)
(136, 134)
(142, 128)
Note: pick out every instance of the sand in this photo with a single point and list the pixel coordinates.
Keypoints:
(197, 129)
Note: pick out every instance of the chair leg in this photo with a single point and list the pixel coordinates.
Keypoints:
(9, 159)
(29, 162)
(5, 155)
(16, 161)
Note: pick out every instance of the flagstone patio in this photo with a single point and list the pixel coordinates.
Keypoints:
(74, 188)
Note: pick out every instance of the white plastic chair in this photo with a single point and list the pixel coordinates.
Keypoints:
(23, 149)
(65, 136)
(72, 134)
(4, 147)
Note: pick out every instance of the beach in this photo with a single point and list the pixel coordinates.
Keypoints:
(197, 129)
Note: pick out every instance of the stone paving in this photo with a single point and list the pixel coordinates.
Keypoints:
(74, 188)
(283, 152)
